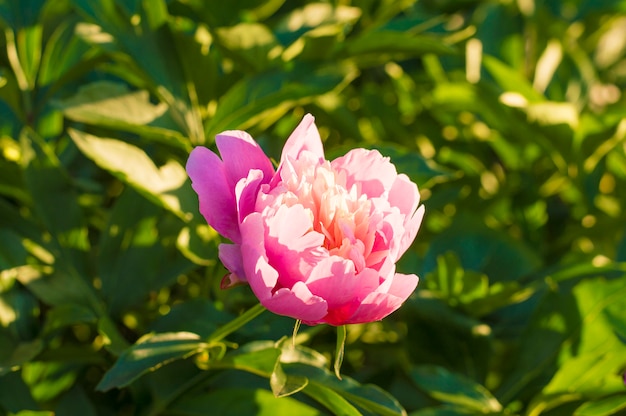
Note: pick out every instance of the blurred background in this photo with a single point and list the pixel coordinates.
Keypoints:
(510, 115)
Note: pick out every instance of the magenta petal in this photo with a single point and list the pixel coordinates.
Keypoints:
(304, 137)
(230, 256)
(240, 154)
(297, 302)
(217, 198)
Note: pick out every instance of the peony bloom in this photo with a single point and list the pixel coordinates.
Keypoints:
(315, 240)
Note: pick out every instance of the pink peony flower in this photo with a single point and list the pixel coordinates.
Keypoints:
(315, 240)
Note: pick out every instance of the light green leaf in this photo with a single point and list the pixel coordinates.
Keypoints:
(603, 407)
(166, 185)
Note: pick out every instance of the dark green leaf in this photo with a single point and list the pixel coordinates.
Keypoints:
(148, 354)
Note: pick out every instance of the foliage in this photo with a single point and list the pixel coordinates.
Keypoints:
(509, 115)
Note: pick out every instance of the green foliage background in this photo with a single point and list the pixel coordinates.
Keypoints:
(510, 116)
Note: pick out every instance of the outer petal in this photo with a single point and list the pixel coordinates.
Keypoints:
(230, 256)
(369, 168)
(334, 279)
(261, 276)
(297, 302)
(216, 196)
(240, 154)
(304, 137)
(404, 195)
(379, 304)
(411, 227)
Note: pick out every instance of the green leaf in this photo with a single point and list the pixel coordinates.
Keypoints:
(382, 46)
(240, 401)
(148, 354)
(138, 242)
(284, 385)
(267, 96)
(333, 393)
(511, 80)
(14, 394)
(449, 387)
(55, 199)
(251, 45)
(167, 185)
(65, 315)
(111, 104)
(603, 407)
(20, 354)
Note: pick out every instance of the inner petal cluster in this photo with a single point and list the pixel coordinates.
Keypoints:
(342, 218)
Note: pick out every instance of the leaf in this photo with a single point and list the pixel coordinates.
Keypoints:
(148, 354)
(20, 354)
(54, 199)
(251, 45)
(449, 387)
(603, 407)
(15, 394)
(65, 315)
(511, 80)
(271, 94)
(138, 242)
(381, 45)
(241, 401)
(283, 385)
(333, 393)
(167, 185)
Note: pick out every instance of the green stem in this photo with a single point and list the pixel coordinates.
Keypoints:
(236, 323)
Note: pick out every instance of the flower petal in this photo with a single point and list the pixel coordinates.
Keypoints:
(411, 227)
(240, 154)
(261, 276)
(230, 256)
(297, 302)
(304, 137)
(216, 196)
(334, 279)
(375, 173)
(379, 304)
(246, 192)
(404, 195)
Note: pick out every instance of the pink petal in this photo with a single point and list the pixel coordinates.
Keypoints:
(334, 279)
(216, 196)
(246, 192)
(379, 304)
(230, 256)
(240, 154)
(369, 168)
(297, 302)
(292, 246)
(304, 137)
(261, 276)
(411, 227)
(404, 195)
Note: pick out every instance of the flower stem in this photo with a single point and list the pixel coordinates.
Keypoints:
(236, 323)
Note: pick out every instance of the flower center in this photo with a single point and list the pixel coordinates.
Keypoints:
(343, 216)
